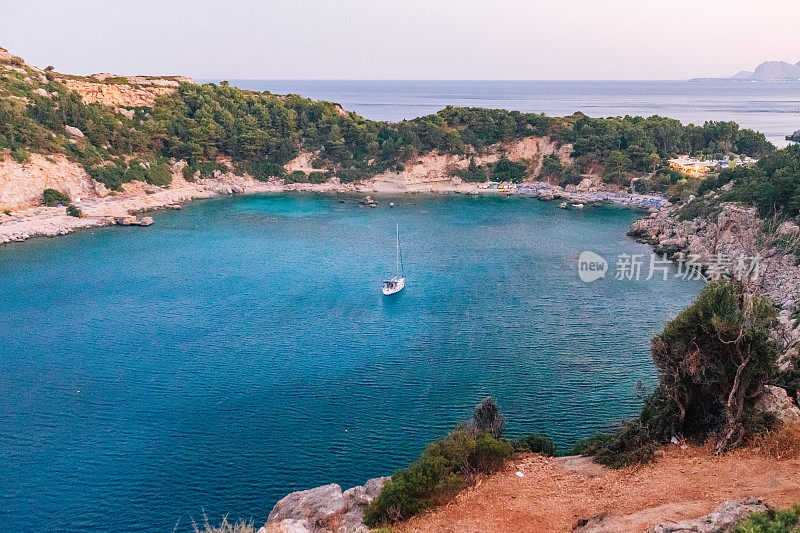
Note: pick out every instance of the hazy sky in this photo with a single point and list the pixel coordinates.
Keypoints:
(404, 39)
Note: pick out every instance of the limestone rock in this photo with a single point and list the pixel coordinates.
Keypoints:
(75, 132)
(723, 519)
(315, 507)
(323, 509)
(775, 400)
(285, 526)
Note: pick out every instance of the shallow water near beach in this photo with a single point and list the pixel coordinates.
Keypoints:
(241, 349)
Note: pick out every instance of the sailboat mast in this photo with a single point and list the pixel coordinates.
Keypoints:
(397, 260)
(400, 253)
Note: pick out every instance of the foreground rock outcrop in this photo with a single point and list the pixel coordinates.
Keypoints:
(324, 509)
(724, 519)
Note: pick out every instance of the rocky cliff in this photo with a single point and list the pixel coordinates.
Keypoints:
(429, 171)
(117, 94)
(718, 239)
(21, 184)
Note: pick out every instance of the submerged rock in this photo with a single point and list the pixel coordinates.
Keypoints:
(324, 509)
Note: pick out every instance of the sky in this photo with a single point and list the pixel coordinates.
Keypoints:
(404, 39)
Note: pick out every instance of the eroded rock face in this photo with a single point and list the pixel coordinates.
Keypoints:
(723, 519)
(731, 233)
(21, 184)
(775, 400)
(435, 168)
(115, 95)
(324, 509)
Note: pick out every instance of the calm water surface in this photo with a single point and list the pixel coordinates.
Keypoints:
(240, 349)
(771, 108)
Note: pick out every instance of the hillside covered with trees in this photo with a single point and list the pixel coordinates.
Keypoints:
(260, 132)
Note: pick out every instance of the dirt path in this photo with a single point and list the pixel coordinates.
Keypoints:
(555, 494)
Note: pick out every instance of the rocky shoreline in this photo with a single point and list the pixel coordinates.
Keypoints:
(717, 242)
(109, 208)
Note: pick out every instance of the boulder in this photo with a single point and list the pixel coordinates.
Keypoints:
(356, 500)
(775, 400)
(75, 132)
(723, 519)
(315, 507)
(324, 509)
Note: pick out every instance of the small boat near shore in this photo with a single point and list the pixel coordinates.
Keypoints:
(398, 281)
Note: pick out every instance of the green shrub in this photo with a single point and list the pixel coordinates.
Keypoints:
(298, 176)
(716, 350)
(570, 176)
(551, 167)
(507, 170)
(53, 197)
(772, 521)
(20, 155)
(317, 177)
(630, 445)
(694, 209)
(473, 173)
(642, 186)
(206, 169)
(443, 469)
(158, 174)
(112, 176)
(263, 170)
(73, 211)
(536, 443)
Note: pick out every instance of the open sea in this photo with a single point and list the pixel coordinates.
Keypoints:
(241, 349)
(771, 108)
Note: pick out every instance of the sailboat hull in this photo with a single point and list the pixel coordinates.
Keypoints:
(394, 286)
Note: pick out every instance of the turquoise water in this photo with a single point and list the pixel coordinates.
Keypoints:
(241, 349)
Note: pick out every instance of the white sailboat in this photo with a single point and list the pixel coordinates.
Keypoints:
(396, 284)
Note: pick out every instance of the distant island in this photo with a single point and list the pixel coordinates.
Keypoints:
(766, 71)
(794, 137)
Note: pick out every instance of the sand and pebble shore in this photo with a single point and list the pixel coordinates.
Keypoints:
(137, 198)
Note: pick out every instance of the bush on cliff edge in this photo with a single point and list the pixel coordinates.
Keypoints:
(713, 360)
(444, 468)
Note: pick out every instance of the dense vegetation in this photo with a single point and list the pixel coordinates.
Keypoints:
(262, 131)
(772, 185)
